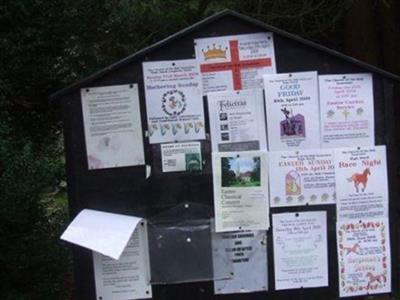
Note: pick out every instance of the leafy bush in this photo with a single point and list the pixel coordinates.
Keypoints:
(33, 264)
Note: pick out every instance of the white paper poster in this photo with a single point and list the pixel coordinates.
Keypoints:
(174, 101)
(347, 110)
(237, 120)
(292, 111)
(247, 252)
(240, 190)
(180, 157)
(364, 257)
(102, 232)
(361, 183)
(302, 177)
(235, 62)
(300, 250)
(113, 128)
(129, 276)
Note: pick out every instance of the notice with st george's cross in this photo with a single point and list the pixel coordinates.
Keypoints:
(174, 101)
(361, 183)
(235, 62)
(292, 108)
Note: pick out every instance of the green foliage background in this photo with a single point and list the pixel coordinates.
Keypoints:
(46, 45)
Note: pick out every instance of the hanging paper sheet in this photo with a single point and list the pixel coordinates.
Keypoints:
(129, 276)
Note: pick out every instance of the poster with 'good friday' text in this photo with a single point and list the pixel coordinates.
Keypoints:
(361, 183)
(303, 177)
(292, 108)
(240, 190)
(235, 62)
(174, 101)
(347, 110)
(237, 121)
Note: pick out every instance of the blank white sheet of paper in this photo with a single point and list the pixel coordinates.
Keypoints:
(103, 232)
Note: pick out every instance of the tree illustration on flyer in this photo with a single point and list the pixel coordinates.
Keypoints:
(292, 111)
(364, 257)
(240, 190)
(174, 101)
(304, 177)
(361, 183)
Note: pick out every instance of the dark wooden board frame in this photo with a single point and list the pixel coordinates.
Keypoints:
(126, 190)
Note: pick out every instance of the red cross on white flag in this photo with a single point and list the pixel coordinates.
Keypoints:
(235, 62)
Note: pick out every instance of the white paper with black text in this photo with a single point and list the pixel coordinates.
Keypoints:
(292, 108)
(235, 62)
(364, 257)
(113, 128)
(174, 101)
(181, 157)
(129, 276)
(247, 252)
(361, 183)
(237, 120)
(303, 177)
(347, 110)
(300, 250)
(103, 232)
(240, 190)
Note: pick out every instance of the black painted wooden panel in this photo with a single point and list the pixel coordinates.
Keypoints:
(125, 190)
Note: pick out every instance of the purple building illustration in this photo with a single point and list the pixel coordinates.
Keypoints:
(292, 125)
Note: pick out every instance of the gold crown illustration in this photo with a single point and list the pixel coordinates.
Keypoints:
(214, 52)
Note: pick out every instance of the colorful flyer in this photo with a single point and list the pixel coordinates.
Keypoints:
(300, 250)
(235, 62)
(304, 177)
(113, 128)
(361, 183)
(347, 110)
(364, 257)
(181, 157)
(174, 101)
(240, 190)
(247, 253)
(292, 108)
(129, 276)
(237, 120)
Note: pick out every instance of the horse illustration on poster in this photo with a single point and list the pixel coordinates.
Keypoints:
(360, 178)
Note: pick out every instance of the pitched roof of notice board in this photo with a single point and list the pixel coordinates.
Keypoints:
(205, 22)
